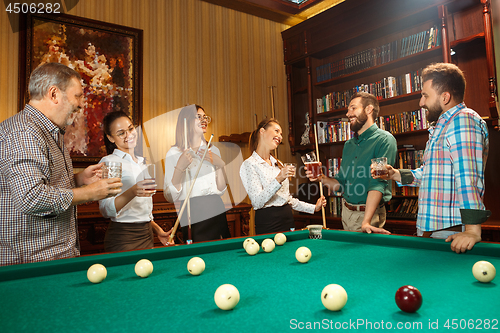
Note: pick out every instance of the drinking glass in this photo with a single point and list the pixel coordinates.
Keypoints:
(148, 174)
(379, 165)
(111, 170)
(312, 164)
(292, 166)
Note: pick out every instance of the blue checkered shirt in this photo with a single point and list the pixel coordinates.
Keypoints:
(451, 179)
(37, 220)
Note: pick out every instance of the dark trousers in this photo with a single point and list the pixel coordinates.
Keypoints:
(274, 219)
(208, 219)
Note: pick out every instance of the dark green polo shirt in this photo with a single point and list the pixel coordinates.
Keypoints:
(354, 174)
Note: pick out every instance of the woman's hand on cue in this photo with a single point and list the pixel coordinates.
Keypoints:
(214, 159)
(320, 203)
(184, 160)
(164, 236)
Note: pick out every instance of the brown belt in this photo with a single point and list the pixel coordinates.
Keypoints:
(359, 208)
(428, 234)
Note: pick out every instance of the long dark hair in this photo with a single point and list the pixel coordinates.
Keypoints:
(254, 137)
(106, 126)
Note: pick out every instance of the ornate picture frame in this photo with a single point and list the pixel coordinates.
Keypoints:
(107, 56)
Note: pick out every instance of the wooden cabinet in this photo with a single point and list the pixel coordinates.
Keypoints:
(92, 226)
(361, 43)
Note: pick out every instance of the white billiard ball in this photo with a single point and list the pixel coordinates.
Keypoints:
(96, 273)
(280, 239)
(252, 248)
(143, 268)
(484, 271)
(246, 241)
(227, 297)
(334, 297)
(268, 245)
(196, 265)
(303, 254)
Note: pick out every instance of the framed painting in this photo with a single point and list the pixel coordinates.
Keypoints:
(109, 60)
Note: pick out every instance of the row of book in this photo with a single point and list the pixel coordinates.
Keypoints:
(420, 41)
(335, 206)
(386, 88)
(407, 158)
(334, 131)
(405, 209)
(333, 165)
(358, 61)
(404, 121)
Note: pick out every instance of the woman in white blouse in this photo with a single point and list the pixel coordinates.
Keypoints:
(130, 211)
(207, 213)
(266, 181)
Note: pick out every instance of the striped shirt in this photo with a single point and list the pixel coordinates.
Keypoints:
(452, 176)
(37, 220)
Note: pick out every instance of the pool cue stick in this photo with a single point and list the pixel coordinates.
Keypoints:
(273, 114)
(320, 183)
(188, 182)
(176, 225)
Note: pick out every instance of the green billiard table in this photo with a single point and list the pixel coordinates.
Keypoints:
(277, 293)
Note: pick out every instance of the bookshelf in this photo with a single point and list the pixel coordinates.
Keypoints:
(381, 46)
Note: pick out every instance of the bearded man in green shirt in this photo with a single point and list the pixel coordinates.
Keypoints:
(363, 197)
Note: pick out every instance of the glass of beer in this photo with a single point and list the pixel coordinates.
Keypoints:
(379, 165)
(112, 170)
(312, 164)
(147, 177)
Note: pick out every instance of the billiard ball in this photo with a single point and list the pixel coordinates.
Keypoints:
(143, 268)
(408, 299)
(96, 273)
(303, 254)
(196, 266)
(227, 297)
(246, 241)
(252, 248)
(484, 271)
(268, 245)
(334, 297)
(280, 239)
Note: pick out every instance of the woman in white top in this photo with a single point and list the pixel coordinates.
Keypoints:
(130, 211)
(266, 181)
(207, 213)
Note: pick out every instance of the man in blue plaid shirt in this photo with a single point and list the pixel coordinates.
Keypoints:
(451, 180)
(38, 189)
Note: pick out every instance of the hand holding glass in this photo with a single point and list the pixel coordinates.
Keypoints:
(379, 166)
(147, 180)
(111, 170)
(312, 164)
(292, 169)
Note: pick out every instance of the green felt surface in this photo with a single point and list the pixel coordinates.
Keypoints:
(277, 293)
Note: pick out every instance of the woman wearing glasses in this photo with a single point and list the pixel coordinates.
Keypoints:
(130, 211)
(207, 211)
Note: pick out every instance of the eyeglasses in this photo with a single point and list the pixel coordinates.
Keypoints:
(122, 133)
(204, 118)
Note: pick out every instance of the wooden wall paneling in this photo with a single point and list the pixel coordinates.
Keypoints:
(8, 67)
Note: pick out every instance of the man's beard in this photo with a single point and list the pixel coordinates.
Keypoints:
(433, 112)
(360, 122)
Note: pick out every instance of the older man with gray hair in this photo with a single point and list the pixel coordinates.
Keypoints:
(38, 189)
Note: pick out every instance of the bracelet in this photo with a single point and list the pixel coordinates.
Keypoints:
(175, 167)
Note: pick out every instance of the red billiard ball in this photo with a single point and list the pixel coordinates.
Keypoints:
(408, 299)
